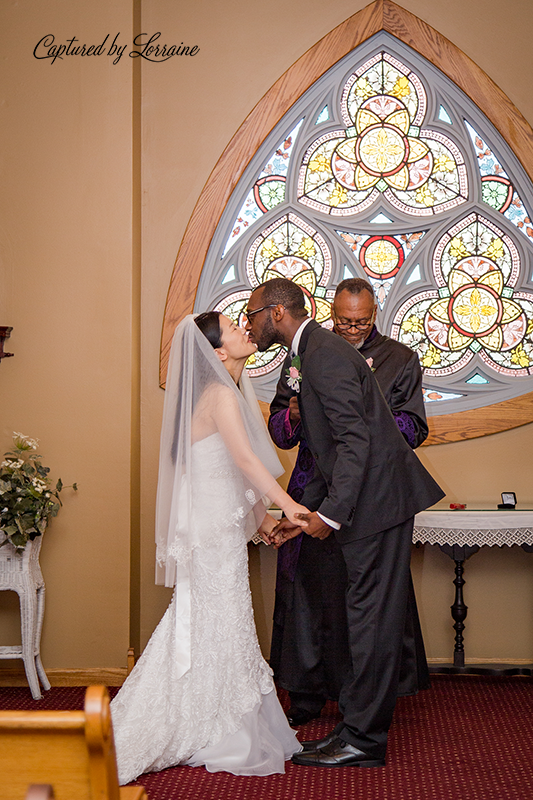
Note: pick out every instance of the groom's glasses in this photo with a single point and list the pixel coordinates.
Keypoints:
(249, 314)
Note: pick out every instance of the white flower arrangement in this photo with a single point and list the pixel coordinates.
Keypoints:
(26, 499)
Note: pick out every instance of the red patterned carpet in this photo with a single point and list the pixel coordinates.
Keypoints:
(466, 738)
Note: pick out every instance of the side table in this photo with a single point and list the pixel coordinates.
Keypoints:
(21, 573)
(460, 534)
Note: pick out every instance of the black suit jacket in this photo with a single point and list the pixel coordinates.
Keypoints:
(367, 477)
(397, 371)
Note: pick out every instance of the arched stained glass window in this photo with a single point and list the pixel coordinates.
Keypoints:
(385, 169)
(306, 209)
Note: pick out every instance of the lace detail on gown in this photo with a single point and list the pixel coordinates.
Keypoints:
(223, 712)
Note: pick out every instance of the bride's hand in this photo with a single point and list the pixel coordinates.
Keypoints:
(297, 514)
(267, 526)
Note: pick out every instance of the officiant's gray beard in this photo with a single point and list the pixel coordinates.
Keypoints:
(356, 345)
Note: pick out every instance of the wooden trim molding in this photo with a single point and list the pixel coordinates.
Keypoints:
(449, 428)
(109, 676)
(379, 15)
(481, 421)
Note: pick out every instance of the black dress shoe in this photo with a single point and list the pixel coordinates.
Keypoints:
(299, 716)
(315, 744)
(336, 754)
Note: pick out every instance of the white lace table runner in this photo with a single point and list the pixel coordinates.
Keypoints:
(474, 527)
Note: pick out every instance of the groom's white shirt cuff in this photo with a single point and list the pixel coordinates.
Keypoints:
(330, 522)
(295, 344)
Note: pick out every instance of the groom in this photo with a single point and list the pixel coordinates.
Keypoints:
(367, 487)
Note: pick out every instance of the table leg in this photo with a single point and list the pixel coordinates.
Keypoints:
(28, 614)
(458, 554)
(38, 628)
(459, 611)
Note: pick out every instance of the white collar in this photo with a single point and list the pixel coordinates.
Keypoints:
(295, 344)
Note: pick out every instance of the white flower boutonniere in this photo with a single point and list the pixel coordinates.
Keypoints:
(294, 376)
(370, 362)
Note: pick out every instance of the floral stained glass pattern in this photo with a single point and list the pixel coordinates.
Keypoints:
(373, 163)
(497, 190)
(476, 309)
(268, 190)
(383, 149)
(381, 257)
(287, 248)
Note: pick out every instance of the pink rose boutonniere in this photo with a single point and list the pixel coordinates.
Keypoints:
(293, 374)
(370, 361)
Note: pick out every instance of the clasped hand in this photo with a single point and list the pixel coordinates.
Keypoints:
(310, 523)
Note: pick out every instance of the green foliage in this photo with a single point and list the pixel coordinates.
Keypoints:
(26, 499)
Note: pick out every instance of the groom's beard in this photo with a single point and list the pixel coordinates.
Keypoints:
(267, 337)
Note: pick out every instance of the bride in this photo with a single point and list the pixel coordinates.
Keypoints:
(201, 693)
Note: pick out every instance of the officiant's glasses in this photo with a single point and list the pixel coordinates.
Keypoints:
(359, 324)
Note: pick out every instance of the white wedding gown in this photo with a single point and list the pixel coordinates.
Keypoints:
(223, 712)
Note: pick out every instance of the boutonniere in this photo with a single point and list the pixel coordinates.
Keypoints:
(370, 361)
(294, 376)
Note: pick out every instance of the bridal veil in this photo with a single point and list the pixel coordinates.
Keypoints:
(200, 393)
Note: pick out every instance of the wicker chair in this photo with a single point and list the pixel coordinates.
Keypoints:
(21, 573)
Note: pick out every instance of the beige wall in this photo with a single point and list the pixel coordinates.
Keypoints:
(69, 286)
(66, 276)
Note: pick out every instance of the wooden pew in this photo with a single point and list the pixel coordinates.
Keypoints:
(72, 751)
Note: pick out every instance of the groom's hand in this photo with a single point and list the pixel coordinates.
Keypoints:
(283, 531)
(316, 527)
(294, 412)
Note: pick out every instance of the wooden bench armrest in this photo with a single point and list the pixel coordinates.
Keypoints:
(66, 754)
(133, 793)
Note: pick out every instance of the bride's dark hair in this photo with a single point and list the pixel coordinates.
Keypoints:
(209, 324)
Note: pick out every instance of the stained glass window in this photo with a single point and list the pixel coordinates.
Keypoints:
(474, 310)
(385, 170)
(497, 189)
(288, 248)
(383, 149)
(381, 257)
(268, 190)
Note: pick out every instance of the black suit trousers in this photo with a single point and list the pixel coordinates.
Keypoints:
(376, 603)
